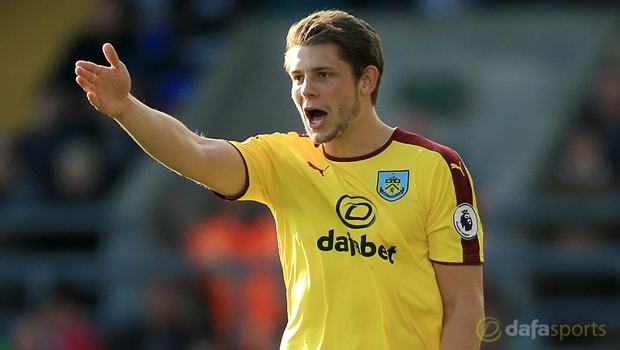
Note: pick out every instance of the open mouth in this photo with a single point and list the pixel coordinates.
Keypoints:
(315, 116)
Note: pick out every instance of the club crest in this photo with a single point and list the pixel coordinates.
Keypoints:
(392, 185)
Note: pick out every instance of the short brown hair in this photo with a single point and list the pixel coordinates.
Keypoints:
(359, 44)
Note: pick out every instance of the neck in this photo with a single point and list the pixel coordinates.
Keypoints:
(360, 138)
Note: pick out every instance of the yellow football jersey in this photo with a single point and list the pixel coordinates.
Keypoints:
(357, 236)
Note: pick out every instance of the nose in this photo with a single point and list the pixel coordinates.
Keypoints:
(307, 89)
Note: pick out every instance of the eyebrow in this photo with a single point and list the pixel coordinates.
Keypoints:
(315, 69)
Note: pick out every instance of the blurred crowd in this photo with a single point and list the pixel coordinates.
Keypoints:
(587, 161)
(70, 154)
(589, 158)
(579, 190)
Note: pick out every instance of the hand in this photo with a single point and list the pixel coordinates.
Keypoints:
(107, 88)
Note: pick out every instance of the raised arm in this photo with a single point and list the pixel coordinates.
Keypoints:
(212, 162)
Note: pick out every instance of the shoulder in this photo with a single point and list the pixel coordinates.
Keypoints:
(277, 137)
(424, 144)
(274, 144)
(448, 164)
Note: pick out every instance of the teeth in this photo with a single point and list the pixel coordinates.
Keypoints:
(314, 116)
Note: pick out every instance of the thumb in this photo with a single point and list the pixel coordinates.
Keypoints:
(111, 56)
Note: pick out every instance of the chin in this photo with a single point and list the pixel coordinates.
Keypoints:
(323, 136)
(314, 137)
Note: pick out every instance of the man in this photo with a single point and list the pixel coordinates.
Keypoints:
(378, 231)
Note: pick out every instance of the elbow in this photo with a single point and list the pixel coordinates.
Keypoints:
(469, 305)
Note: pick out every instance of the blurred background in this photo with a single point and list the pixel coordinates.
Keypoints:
(102, 248)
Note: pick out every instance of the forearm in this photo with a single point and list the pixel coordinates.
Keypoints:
(459, 326)
(214, 163)
(161, 136)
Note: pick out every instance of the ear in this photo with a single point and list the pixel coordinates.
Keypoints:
(368, 81)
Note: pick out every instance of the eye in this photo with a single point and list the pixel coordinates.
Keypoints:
(324, 75)
(298, 78)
